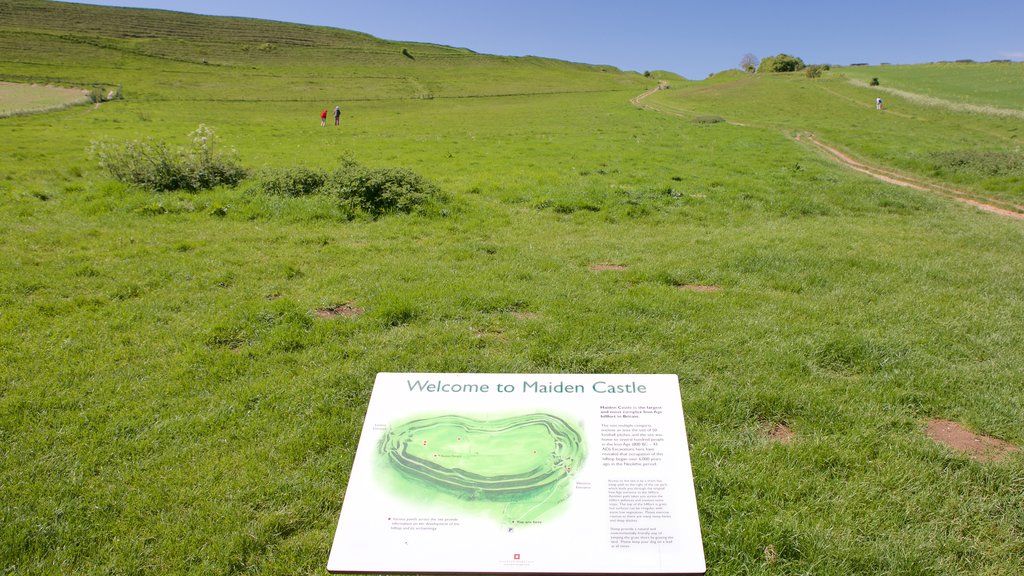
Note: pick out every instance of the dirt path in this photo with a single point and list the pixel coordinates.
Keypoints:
(1004, 209)
(638, 101)
(893, 177)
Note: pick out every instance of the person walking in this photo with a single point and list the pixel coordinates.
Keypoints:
(878, 103)
(323, 117)
(337, 115)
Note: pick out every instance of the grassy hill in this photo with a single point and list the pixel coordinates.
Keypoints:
(990, 84)
(204, 58)
(975, 148)
(172, 401)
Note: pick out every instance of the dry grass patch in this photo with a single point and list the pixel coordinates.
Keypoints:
(18, 99)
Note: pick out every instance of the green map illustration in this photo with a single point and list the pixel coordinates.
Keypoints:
(518, 468)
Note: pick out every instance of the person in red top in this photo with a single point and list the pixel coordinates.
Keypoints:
(323, 118)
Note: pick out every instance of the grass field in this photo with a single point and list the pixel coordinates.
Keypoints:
(978, 152)
(991, 84)
(171, 403)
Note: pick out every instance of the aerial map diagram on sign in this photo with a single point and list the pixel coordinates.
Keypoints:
(521, 473)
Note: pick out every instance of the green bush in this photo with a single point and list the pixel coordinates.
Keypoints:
(160, 167)
(380, 191)
(707, 120)
(814, 70)
(296, 181)
(372, 191)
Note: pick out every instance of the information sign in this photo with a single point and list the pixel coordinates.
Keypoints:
(521, 473)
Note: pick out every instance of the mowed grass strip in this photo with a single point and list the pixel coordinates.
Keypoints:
(31, 98)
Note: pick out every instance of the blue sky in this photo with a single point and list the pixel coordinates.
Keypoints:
(691, 38)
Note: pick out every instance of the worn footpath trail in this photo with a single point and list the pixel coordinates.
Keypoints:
(884, 174)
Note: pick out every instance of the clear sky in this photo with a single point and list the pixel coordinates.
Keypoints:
(683, 36)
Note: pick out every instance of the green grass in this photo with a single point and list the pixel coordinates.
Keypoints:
(169, 403)
(920, 139)
(991, 84)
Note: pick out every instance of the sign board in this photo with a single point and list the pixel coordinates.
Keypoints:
(521, 473)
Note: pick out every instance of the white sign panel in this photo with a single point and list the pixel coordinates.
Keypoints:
(523, 473)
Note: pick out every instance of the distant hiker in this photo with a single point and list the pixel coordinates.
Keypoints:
(337, 115)
(878, 103)
(323, 117)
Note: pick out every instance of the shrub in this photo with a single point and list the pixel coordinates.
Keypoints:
(707, 120)
(296, 181)
(379, 191)
(99, 94)
(874, 82)
(160, 167)
(373, 191)
(814, 71)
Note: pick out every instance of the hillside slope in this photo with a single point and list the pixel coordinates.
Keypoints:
(971, 147)
(84, 44)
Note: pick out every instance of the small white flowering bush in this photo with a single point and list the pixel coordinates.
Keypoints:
(159, 166)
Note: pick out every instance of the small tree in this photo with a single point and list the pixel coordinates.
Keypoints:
(748, 63)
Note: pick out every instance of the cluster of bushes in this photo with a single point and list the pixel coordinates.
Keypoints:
(784, 63)
(358, 189)
(161, 167)
(781, 63)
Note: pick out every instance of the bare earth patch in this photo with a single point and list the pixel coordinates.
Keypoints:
(525, 315)
(347, 310)
(978, 447)
(699, 287)
(607, 267)
(777, 432)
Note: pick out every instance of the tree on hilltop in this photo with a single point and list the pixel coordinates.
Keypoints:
(781, 63)
(748, 63)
